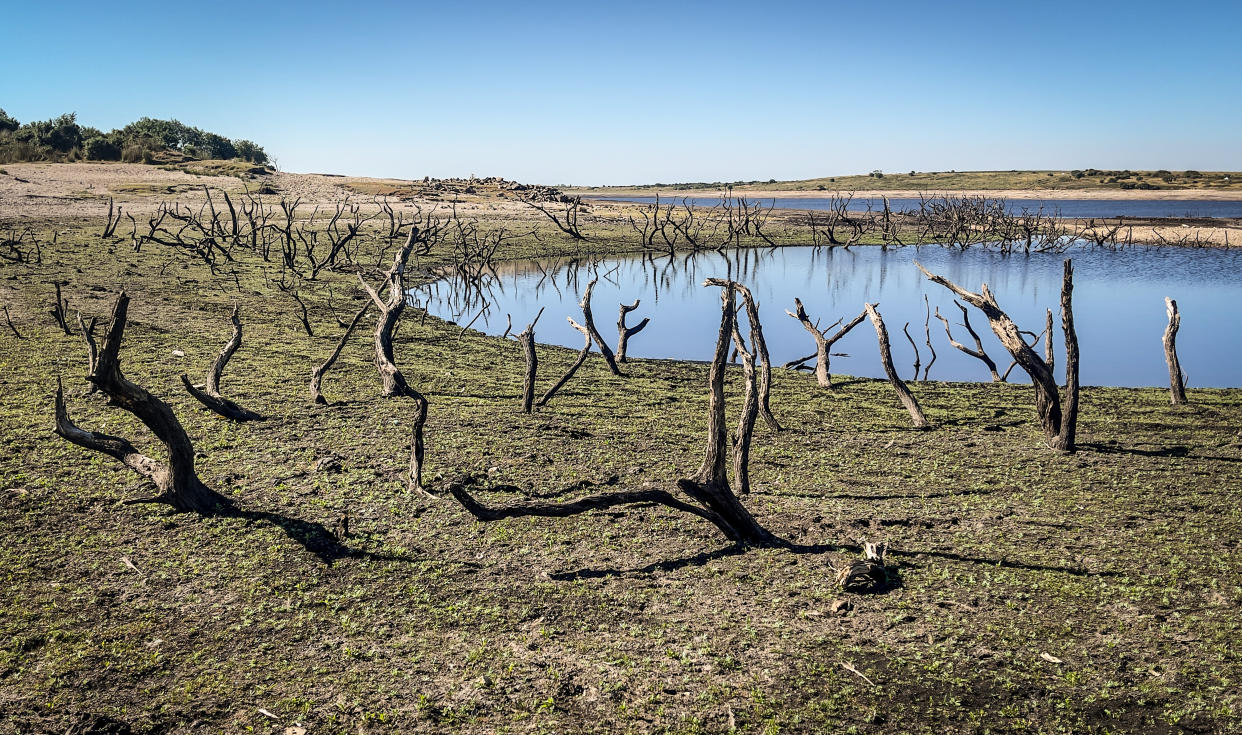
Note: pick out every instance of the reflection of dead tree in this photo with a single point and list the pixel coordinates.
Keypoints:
(393, 381)
(1177, 379)
(1059, 420)
(886, 359)
(709, 488)
(823, 343)
(570, 225)
(588, 321)
(526, 338)
(582, 356)
(760, 346)
(177, 481)
(927, 337)
(624, 333)
(917, 358)
(978, 353)
(92, 350)
(209, 395)
(319, 372)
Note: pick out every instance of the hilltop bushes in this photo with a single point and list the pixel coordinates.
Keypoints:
(63, 139)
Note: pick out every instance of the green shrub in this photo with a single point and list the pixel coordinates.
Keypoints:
(100, 148)
(250, 151)
(7, 122)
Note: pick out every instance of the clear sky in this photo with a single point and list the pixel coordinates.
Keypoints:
(637, 92)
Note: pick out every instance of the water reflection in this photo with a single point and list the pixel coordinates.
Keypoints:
(1118, 300)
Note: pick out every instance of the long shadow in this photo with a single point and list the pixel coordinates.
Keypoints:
(698, 560)
(312, 536)
(695, 560)
(892, 496)
(1174, 451)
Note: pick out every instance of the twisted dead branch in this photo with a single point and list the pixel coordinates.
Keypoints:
(886, 359)
(1177, 379)
(209, 395)
(176, 480)
(624, 333)
(318, 373)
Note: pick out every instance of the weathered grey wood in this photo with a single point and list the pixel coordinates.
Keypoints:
(1177, 380)
(588, 320)
(978, 353)
(526, 338)
(317, 374)
(209, 395)
(177, 480)
(624, 333)
(582, 356)
(886, 359)
(393, 383)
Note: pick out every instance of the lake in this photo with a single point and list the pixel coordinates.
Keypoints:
(1071, 208)
(1118, 305)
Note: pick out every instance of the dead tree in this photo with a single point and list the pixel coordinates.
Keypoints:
(582, 356)
(92, 350)
(111, 223)
(209, 395)
(393, 381)
(177, 481)
(978, 353)
(624, 333)
(12, 326)
(589, 322)
(1177, 379)
(570, 225)
(1048, 353)
(318, 373)
(708, 488)
(746, 418)
(60, 310)
(823, 343)
(886, 359)
(526, 338)
(1058, 419)
(760, 346)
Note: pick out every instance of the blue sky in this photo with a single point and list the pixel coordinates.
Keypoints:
(588, 93)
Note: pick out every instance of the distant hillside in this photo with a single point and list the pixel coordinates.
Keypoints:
(967, 180)
(147, 141)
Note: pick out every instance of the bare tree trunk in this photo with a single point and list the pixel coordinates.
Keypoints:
(1065, 439)
(828, 343)
(391, 378)
(977, 353)
(821, 343)
(589, 322)
(526, 338)
(624, 333)
(210, 396)
(886, 358)
(12, 326)
(746, 419)
(177, 481)
(582, 356)
(1177, 381)
(60, 310)
(319, 372)
(709, 487)
(1049, 356)
(92, 351)
(1047, 393)
(760, 347)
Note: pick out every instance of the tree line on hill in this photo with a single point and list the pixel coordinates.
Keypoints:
(62, 138)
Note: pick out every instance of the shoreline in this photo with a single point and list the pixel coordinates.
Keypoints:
(1044, 194)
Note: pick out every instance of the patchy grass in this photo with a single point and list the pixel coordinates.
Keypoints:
(1097, 592)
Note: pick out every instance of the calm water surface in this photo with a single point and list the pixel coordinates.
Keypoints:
(1118, 305)
(1075, 208)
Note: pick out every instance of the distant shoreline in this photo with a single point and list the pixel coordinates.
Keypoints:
(1043, 194)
